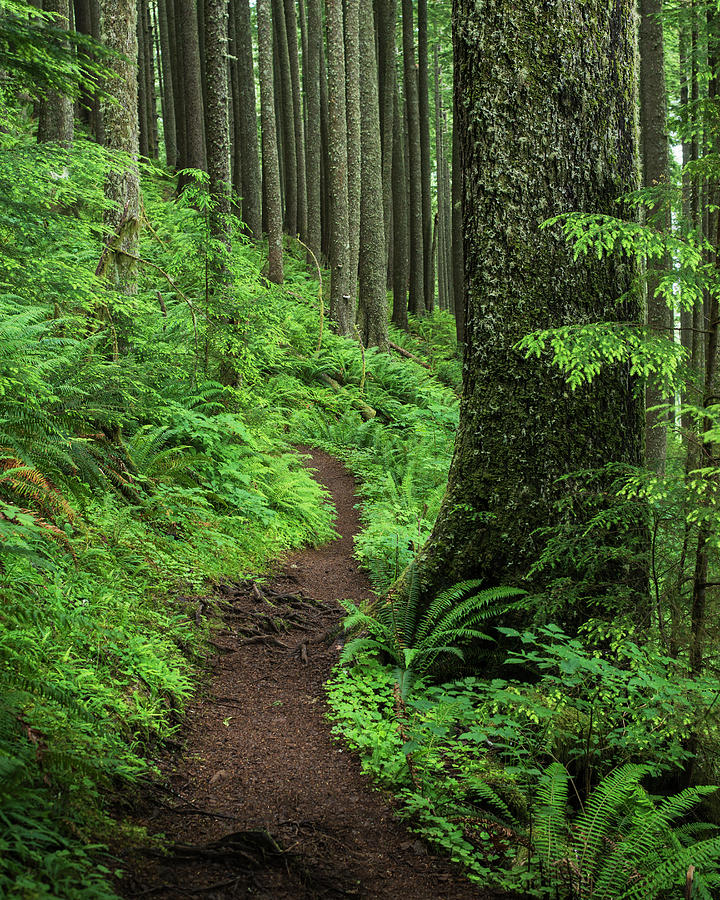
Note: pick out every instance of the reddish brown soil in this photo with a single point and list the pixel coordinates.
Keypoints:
(259, 758)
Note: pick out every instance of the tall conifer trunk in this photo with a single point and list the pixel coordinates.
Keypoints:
(546, 118)
(272, 205)
(55, 121)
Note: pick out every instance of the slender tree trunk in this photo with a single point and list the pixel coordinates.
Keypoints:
(192, 86)
(325, 135)
(247, 124)
(297, 117)
(387, 51)
(314, 129)
(441, 199)
(169, 123)
(521, 429)
(271, 168)
(401, 225)
(120, 116)
(217, 125)
(55, 122)
(142, 83)
(372, 276)
(417, 265)
(424, 119)
(352, 100)
(286, 119)
(655, 172)
(178, 80)
(342, 304)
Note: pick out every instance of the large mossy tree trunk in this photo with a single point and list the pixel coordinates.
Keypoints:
(545, 99)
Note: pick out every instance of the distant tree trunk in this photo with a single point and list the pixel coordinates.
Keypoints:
(142, 83)
(247, 124)
(55, 122)
(87, 21)
(325, 135)
(234, 106)
(521, 429)
(314, 129)
(441, 198)
(177, 57)
(192, 86)
(169, 124)
(120, 116)
(458, 246)
(286, 118)
(297, 116)
(386, 24)
(401, 225)
(271, 167)
(217, 126)
(372, 276)
(655, 160)
(424, 119)
(417, 266)
(342, 305)
(352, 100)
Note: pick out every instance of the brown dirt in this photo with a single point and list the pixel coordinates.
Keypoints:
(262, 801)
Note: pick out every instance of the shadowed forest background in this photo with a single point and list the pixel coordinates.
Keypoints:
(468, 249)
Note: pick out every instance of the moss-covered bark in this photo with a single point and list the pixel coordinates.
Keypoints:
(546, 117)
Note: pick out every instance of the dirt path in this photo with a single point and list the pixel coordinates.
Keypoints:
(258, 757)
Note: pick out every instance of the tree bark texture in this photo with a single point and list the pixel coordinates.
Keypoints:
(458, 242)
(120, 117)
(284, 105)
(342, 305)
(372, 275)
(169, 124)
(424, 120)
(386, 24)
(271, 166)
(247, 124)
(217, 124)
(352, 100)
(546, 118)
(314, 129)
(401, 232)
(297, 117)
(655, 169)
(417, 267)
(55, 122)
(192, 85)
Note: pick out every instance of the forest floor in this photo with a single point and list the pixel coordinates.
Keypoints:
(262, 801)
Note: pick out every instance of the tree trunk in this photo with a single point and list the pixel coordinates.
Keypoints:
(284, 104)
(192, 86)
(387, 21)
(314, 129)
(401, 226)
(271, 167)
(217, 125)
(424, 119)
(178, 80)
(55, 122)
(417, 266)
(247, 124)
(554, 87)
(297, 117)
(458, 242)
(169, 123)
(120, 116)
(441, 199)
(142, 83)
(352, 99)
(342, 305)
(372, 276)
(655, 171)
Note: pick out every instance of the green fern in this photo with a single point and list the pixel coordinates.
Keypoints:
(416, 638)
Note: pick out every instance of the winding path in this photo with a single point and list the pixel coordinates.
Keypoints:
(258, 757)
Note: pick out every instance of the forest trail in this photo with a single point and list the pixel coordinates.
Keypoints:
(258, 755)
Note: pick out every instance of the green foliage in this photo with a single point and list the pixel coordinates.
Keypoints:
(622, 845)
(415, 638)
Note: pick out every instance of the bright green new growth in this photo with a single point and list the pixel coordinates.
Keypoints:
(416, 638)
(622, 845)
